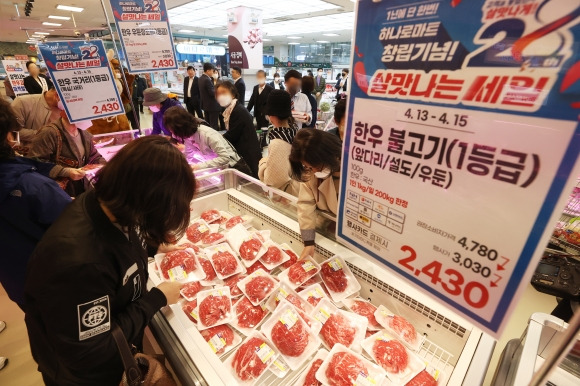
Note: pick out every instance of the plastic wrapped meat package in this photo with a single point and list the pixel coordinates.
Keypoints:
(221, 339)
(213, 238)
(190, 310)
(339, 326)
(214, 307)
(313, 294)
(299, 272)
(279, 367)
(344, 367)
(210, 274)
(285, 294)
(400, 327)
(196, 231)
(190, 290)
(224, 261)
(398, 361)
(251, 359)
(257, 286)
(256, 266)
(274, 255)
(245, 220)
(290, 252)
(232, 282)
(363, 308)
(247, 317)
(290, 334)
(308, 376)
(179, 265)
(249, 245)
(211, 216)
(338, 279)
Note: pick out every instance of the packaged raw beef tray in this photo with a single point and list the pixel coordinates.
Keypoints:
(338, 278)
(180, 265)
(257, 286)
(344, 367)
(339, 326)
(214, 307)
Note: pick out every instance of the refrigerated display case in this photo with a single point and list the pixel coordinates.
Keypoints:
(450, 345)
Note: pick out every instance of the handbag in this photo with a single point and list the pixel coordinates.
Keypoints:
(141, 369)
(241, 165)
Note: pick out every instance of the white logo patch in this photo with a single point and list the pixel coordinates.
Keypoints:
(94, 317)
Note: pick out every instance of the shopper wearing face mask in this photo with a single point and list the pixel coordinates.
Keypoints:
(301, 107)
(339, 119)
(319, 85)
(36, 83)
(342, 85)
(209, 104)
(259, 99)
(277, 84)
(68, 145)
(315, 162)
(158, 103)
(30, 202)
(240, 131)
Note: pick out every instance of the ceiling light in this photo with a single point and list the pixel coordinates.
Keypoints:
(68, 8)
(293, 43)
(59, 17)
(322, 41)
(187, 31)
(266, 40)
(42, 33)
(54, 24)
(225, 36)
(294, 37)
(331, 34)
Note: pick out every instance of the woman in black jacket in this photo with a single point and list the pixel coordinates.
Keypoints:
(89, 274)
(239, 125)
(36, 83)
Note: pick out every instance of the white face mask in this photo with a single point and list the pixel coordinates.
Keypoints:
(320, 73)
(215, 76)
(261, 81)
(60, 105)
(323, 173)
(83, 125)
(277, 80)
(224, 100)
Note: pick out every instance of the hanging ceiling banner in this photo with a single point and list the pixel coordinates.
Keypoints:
(462, 144)
(16, 71)
(245, 37)
(146, 38)
(83, 78)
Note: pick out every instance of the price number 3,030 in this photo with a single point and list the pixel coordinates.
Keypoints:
(106, 108)
(452, 281)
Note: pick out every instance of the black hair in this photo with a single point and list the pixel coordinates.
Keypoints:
(339, 111)
(319, 69)
(180, 122)
(345, 70)
(208, 66)
(238, 69)
(148, 186)
(276, 75)
(292, 74)
(228, 86)
(190, 68)
(261, 72)
(8, 123)
(29, 63)
(307, 85)
(318, 148)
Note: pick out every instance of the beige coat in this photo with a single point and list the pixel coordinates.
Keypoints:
(32, 113)
(274, 170)
(316, 194)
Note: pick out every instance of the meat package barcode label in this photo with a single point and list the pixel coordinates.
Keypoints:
(283, 293)
(281, 366)
(177, 273)
(322, 315)
(364, 380)
(265, 353)
(193, 313)
(202, 228)
(308, 266)
(217, 343)
(316, 294)
(289, 319)
(335, 265)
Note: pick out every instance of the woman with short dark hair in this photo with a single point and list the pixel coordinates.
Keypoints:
(315, 162)
(339, 119)
(89, 273)
(307, 89)
(241, 132)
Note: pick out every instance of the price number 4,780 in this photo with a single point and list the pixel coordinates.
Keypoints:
(452, 281)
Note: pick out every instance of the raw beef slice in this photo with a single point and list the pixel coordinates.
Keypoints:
(224, 263)
(189, 290)
(232, 282)
(188, 309)
(194, 234)
(335, 280)
(212, 238)
(273, 255)
(249, 316)
(405, 329)
(293, 259)
(258, 288)
(310, 379)
(391, 355)
(190, 245)
(297, 274)
(291, 342)
(422, 379)
(211, 215)
(338, 329)
(175, 259)
(246, 362)
(367, 310)
(224, 331)
(344, 368)
(213, 309)
(232, 222)
(249, 249)
(207, 268)
(256, 266)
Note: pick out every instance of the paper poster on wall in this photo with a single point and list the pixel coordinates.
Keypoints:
(83, 78)
(146, 38)
(462, 144)
(16, 72)
(245, 37)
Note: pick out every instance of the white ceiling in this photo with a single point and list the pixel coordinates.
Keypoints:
(307, 19)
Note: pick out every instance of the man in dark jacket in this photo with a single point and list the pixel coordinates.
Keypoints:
(207, 93)
(158, 103)
(191, 93)
(259, 99)
(240, 84)
(139, 85)
(29, 203)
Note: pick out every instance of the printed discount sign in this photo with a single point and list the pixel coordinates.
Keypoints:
(145, 34)
(83, 78)
(462, 143)
(16, 71)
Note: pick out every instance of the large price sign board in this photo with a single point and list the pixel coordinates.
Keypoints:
(146, 38)
(83, 78)
(16, 71)
(462, 143)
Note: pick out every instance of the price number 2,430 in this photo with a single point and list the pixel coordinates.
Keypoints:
(452, 281)
(106, 108)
